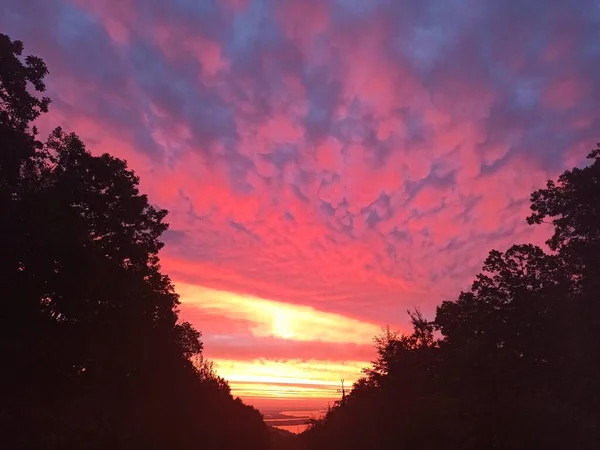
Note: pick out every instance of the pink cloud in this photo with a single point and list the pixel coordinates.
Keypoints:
(564, 93)
(357, 158)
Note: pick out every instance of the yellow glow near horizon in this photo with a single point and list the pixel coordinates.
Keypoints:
(270, 318)
(260, 380)
(290, 378)
(271, 392)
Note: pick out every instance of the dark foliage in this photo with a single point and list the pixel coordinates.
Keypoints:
(283, 440)
(94, 356)
(512, 364)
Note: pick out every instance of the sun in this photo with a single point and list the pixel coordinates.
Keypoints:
(282, 323)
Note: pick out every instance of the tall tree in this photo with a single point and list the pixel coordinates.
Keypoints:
(516, 359)
(18, 109)
(94, 355)
(572, 205)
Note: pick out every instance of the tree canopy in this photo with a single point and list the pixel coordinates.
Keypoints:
(95, 355)
(511, 364)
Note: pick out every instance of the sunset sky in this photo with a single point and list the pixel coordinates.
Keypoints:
(327, 164)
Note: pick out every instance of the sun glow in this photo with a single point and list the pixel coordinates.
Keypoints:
(269, 318)
(282, 324)
(290, 378)
(263, 379)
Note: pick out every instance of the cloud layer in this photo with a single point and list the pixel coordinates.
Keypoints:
(331, 161)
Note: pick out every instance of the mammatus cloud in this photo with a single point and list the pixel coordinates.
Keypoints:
(329, 163)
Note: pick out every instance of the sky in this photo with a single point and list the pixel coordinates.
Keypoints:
(327, 164)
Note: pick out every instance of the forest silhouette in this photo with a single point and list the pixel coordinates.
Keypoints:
(95, 356)
(514, 363)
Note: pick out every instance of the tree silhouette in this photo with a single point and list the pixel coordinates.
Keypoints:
(94, 354)
(511, 364)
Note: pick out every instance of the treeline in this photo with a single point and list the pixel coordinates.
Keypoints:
(93, 353)
(512, 364)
